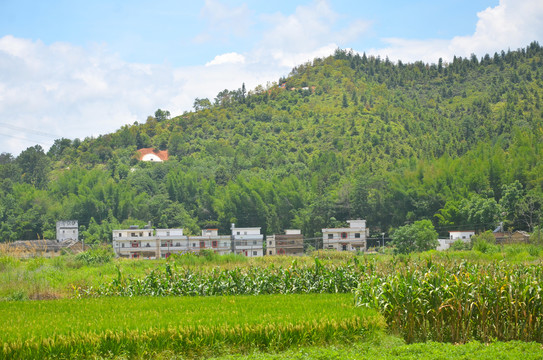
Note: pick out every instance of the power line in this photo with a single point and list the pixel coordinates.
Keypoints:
(29, 131)
(33, 141)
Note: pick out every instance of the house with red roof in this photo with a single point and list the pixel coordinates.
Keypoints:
(153, 155)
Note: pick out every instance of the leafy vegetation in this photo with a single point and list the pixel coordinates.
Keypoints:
(347, 136)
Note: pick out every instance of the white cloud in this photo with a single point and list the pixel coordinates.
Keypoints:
(230, 58)
(307, 33)
(511, 24)
(223, 21)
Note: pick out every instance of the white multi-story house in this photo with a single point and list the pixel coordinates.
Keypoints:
(135, 243)
(352, 238)
(211, 240)
(247, 241)
(291, 243)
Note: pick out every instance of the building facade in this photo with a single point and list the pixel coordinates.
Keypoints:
(147, 243)
(67, 230)
(290, 243)
(247, 241)
(352, 238)
(136, 243)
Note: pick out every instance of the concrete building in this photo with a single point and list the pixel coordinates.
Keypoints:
(291, 243)
(352, 238)
(135, 243)
(211, 240)
(67, 230)
(247, 241)
(465, 236)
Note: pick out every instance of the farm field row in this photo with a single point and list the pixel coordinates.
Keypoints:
(393, 348)
(189, 326)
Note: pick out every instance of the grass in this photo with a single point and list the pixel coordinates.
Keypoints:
(189, 326)
(393, 348)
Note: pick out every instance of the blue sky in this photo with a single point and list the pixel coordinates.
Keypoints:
(77, 69)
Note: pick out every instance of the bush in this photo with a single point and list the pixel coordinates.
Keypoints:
(459, 245)
(96, 255)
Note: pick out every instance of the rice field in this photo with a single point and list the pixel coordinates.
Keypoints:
(188, 326)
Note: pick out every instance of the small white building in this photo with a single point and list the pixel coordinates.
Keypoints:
(247, 241)
(465, 236)
(352, 238)
(67, 230)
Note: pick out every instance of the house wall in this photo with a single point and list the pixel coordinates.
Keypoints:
(67, 230)
(352, 238)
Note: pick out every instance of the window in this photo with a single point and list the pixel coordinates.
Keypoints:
(330, 236)
(122, 245)
(177, 244)
(270, 253)
(202, 244)
(214, 243)
(254, 242)
(344, 247)
(255, 253)
(357, 235)
(344, 235)
(238, 233)
(193, 244)
(167, 233)
(270, 242)
(133, 234)
(245, 233)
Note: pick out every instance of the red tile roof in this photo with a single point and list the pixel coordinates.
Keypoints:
(162, 154)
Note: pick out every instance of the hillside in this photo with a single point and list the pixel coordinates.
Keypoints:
(342, 137)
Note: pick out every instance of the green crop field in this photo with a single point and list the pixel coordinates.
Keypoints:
(329, 305)
(192, 326)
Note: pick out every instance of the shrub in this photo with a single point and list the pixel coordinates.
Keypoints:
(96, 255)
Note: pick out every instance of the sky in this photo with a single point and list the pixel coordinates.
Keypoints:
(76, 69)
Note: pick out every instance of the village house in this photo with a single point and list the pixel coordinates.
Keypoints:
(152, 155)
(66, 240)
(454, 236)
(67, 230)
(211, 240)
(352, 238)
(135, 243)
(161, 243)
(247, 241)
(291, 243)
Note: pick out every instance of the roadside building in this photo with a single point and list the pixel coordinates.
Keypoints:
(290, 243)
(352, 238)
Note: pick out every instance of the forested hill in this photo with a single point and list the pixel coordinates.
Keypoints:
(347, 136)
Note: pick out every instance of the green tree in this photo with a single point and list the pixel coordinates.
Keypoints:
(34, 165)
(419, 236)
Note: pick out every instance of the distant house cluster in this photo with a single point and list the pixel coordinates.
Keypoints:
(147, 243)
(161, 243)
